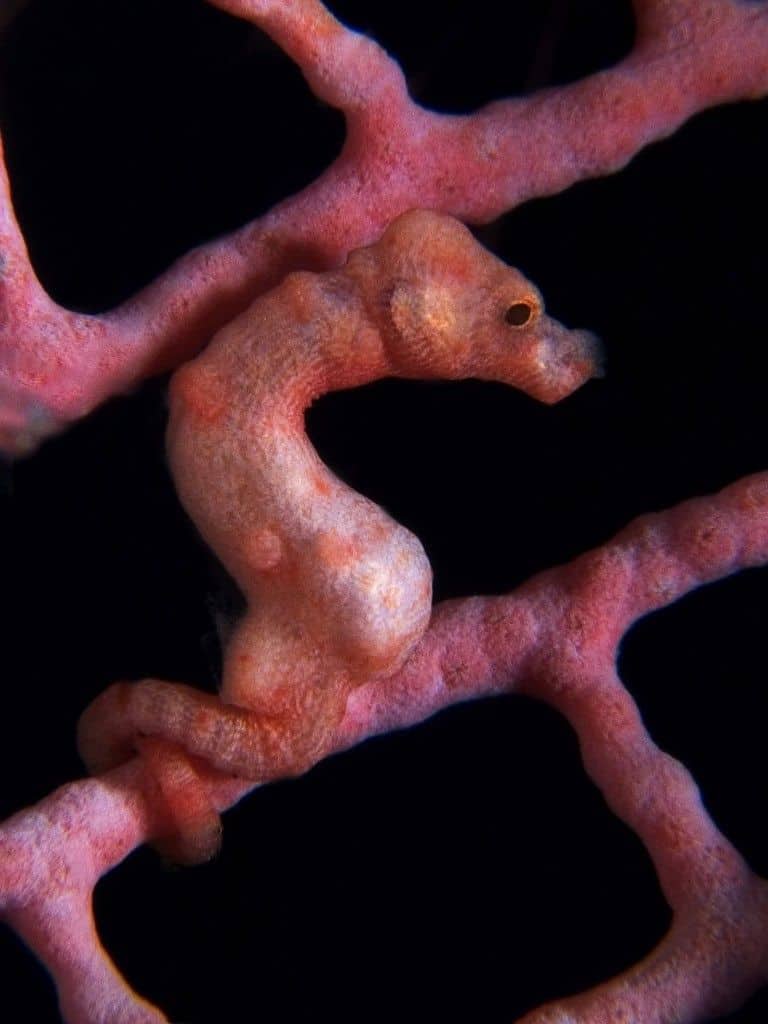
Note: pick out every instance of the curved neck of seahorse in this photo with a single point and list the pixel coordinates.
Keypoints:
(312, 335)
(317, 337)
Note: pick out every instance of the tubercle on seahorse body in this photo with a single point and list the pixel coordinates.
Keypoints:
(337, 592)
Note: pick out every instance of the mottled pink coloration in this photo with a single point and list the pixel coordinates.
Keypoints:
(56, 366)
(554, 638)
(338, 592)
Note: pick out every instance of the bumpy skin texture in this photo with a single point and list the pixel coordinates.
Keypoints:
(338, 593)
(56, 366)
(556, 637)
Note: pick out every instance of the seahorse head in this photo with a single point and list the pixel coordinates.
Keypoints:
(453, 310)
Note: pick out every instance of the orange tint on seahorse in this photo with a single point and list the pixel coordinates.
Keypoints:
(337, 592)
(201, 391)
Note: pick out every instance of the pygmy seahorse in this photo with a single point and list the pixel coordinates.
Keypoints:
(337, 592)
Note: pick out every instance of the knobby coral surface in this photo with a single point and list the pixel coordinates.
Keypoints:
(338, 593)
(56, 366)
(555, 637)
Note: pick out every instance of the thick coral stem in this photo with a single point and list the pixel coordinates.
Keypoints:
(555, 637)
(56, 366)
(715, 954)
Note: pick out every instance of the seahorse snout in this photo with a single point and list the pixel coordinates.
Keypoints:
(565, 360)
(594, 350)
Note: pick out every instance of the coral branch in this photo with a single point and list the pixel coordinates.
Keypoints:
(56, 366)
(555, 638)
(338, 593)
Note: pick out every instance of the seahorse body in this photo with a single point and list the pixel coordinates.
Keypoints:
(337, 592)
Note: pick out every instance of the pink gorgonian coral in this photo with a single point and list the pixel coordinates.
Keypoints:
(497, 490)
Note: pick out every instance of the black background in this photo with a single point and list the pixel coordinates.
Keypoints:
(466, 868)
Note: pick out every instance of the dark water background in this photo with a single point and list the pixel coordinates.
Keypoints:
(466, 868)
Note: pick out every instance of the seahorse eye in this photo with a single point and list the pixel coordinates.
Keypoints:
(518, 314)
